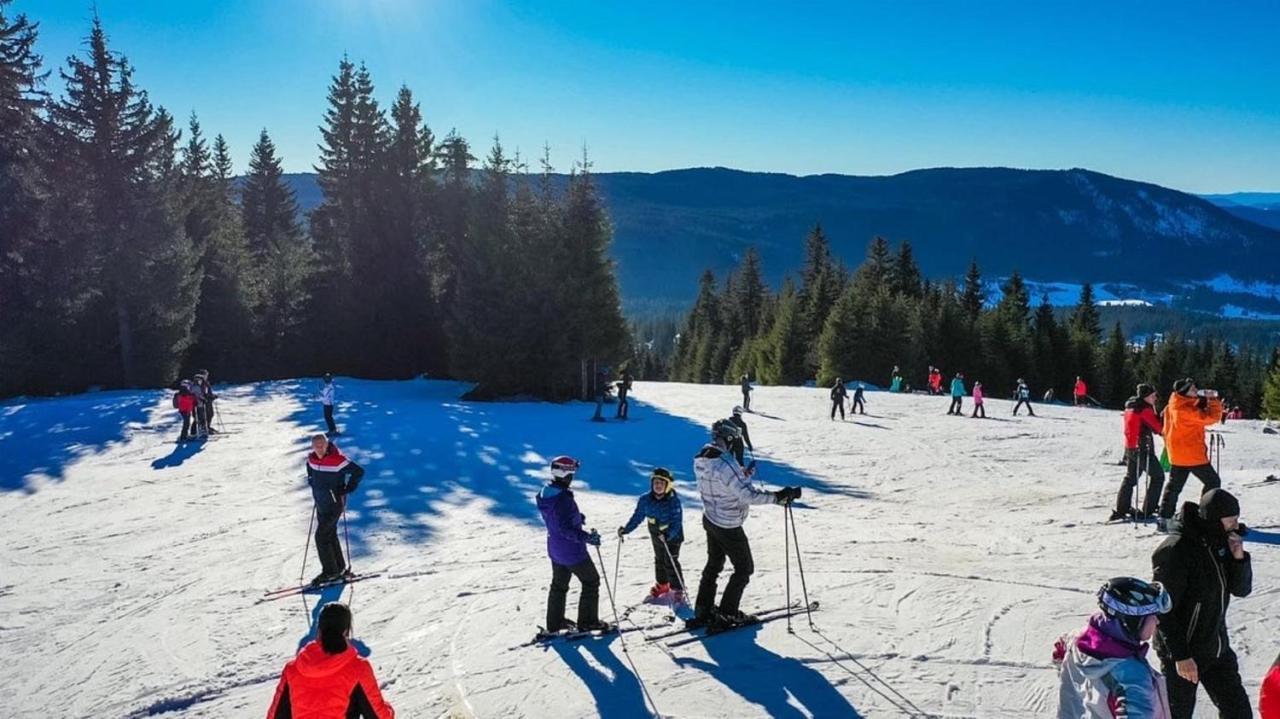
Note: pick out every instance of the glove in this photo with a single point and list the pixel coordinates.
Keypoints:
(351, 487)
(593, 539)
(786, 495)
(622, 532)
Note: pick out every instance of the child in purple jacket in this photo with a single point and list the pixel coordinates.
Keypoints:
(567, 547)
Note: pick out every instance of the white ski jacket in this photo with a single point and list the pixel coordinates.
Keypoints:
(1115, 688)
(727, 493)
(326, 394)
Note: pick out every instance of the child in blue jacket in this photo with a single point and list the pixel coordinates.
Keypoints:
(661, 507)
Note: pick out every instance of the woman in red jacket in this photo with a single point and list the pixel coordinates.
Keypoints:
(1269, 704)
(328, 680)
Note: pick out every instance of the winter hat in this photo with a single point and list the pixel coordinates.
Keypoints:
(1218, 503)
(1180, 386)
(1145, 389)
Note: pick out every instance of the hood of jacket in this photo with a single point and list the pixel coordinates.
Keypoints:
(314, 663)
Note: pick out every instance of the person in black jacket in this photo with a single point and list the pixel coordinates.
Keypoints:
(624, 389)
(859, 405)
(1202, 564)
(838, 393)
(736, 447)
(332, 477)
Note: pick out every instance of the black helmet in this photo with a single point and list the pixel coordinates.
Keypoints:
(1130, 600)
(725, 430)
(662, 474)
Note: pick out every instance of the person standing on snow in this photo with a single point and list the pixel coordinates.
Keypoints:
(201, 428)
(327, 391)
(567, 547)
(957, 395)
(332, 477)
(1141, 424)
(935, 381)
(660, 507)
(1269, 696)
(1023, 394)
(1202, 563)
(838, 393)
(185, 403)
(1103, 670)
(624, 389)
(1081, 392)
(895, 381)
(743, 441)
(859, 405)
(746, 392)
(329, 678)
(206, 389)
(727, 496)
(1185, 419)
(978, 409)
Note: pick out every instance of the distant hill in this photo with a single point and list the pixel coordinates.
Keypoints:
(1260, 207)
(1066, 226)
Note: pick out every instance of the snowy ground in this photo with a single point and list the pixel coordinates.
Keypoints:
(947, 553)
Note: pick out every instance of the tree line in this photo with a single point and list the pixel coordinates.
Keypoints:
(129, 253)
(859, 324)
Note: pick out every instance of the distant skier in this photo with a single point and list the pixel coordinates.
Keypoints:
(895, 381)
(727, 495)
(746, 392)
(838, 393)
(185, 402)
(978, 409)
(327, 391)
(1141, 424)
(1049, 395)
(329, 678)
(859, 405)
(1081, 393)
(206, 390)
(935, 381)
(1185, 418)
(332, 477)
(957, 395)
(624, 389)
(201, 428)
(660, 507)
(1103, 671)
(567, 547)
(1023, 395)
(743, 441)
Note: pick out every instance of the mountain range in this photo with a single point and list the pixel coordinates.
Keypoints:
(1060, 228)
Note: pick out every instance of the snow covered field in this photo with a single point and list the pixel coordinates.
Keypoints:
(947, 553)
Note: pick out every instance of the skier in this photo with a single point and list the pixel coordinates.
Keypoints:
(567, 547)
(743, 441)
(838, 393)
(1202, 563)
(329, 678)
(957, 395)
(185, 403)
(1141, 423)
(727, 496)
(1269, 696)
(201, 428)
(1185, 419)
(1081, 393)
(1103, 670)
(624, 389)
(327, 391)
(978, 409)
(332, 477)
(206, 388)
(859, 405)
(1023, 394)
(895, 381)
(746, 392)
(660, 506)
(935, 381)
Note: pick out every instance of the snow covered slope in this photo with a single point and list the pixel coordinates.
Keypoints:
(948, 553)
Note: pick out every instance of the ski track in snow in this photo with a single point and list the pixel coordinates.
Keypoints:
(948, 553)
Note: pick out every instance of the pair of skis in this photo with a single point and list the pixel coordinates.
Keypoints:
(686, 635)
(544, 638)
(305, 588)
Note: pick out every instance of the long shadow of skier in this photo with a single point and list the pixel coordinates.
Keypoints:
(327, 596)
(781, 686)
(181, 453)
(613, 686)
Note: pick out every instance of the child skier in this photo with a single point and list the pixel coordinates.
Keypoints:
(978, 409)
(185, 403)
(957, 395)
(1081, 393)
(1103, 670)
(660, 506)
(858, 406)
(567, 547)
(743, 442)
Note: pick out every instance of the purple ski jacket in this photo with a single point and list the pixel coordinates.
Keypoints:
(566, 542)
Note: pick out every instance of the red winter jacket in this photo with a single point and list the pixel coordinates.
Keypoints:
(1081, 388)
(317, 685)
(1136, 414)
(185, 402)
(1269, 703)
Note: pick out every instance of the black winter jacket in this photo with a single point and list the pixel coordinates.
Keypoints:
(1196, 567)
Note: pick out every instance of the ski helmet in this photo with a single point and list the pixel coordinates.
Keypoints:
(564, 467)
(725, 430)
(1129, 600)
(737, 411)
(663, 475)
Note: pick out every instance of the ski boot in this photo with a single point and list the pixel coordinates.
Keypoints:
(598, 625)
(657, 590)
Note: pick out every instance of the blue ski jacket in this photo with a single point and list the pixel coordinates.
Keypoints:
(957, 387)
(665, 514)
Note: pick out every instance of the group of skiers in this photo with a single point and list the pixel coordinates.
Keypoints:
(194, 402)
(839, 391)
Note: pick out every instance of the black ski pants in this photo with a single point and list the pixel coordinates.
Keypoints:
(588, 604)
(1137, 461)
(979, 411)
(186, 425)
(957, 406)
(327, 544)
(667, 570)
(858, 406)
(746, 399)
(1178, 477)
(1221, 680)
(328, 419)
(724, 543)
(1022, 402)
(623, 404)
(837, 404)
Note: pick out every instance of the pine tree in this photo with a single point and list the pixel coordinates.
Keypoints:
(692, 360)
(821, 284)
(285, 261)
(750, 295)
(1117, 370)
(116, 153)
(975, 295)
(783, 349)
(907, 279)
(1271, 388)
(1224, 374)
(451, 210)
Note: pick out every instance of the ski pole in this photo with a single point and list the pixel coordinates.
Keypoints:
(622, 639)
(617, 560)
(786, 544)
(675, 567)
(302, 576)
(800, 566)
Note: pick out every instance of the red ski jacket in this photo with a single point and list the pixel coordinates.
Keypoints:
(185, 402)
(1081, 388)
(1136, 414)
(317, 685)
(1269, 702)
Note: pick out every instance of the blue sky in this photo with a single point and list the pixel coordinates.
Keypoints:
(1178, 93)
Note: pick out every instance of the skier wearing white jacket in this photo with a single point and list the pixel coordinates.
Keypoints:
(727, 496)
(1103, 671)
(326, 399)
